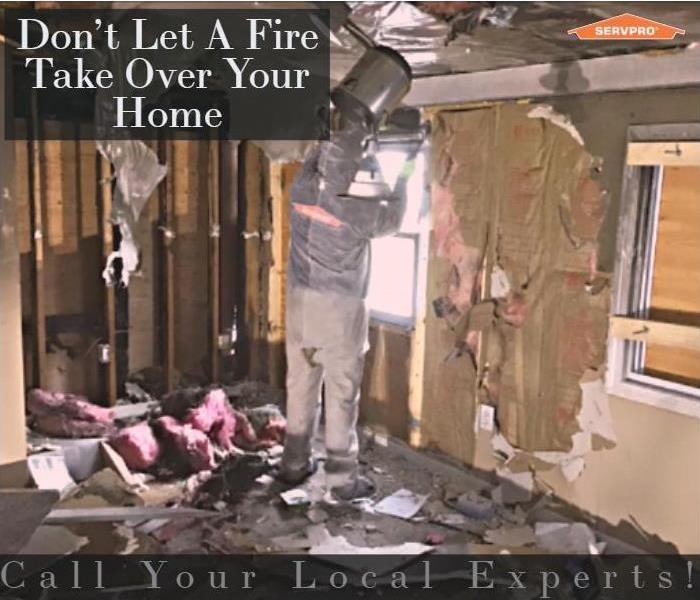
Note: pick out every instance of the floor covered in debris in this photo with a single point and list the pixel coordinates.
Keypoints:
(136, 489)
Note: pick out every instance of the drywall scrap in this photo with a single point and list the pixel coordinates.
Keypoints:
(595, 432)
(516, 211)
(137, 173)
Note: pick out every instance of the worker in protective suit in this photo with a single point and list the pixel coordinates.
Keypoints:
(327, 318)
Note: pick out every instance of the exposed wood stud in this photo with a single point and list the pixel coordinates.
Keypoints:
(214, 259)
(37, 241)
(167, 228)
(105, 174)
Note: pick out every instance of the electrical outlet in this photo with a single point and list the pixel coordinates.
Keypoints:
(487, 416)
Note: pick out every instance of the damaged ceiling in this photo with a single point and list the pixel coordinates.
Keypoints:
(438, 38)
(456, 37)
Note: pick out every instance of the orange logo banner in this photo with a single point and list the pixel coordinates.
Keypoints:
(626, 27)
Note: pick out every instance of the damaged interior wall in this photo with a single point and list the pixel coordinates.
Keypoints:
(71, 228)
(517, 194)
(70, 256)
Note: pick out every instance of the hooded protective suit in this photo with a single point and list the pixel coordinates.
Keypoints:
(327, 319)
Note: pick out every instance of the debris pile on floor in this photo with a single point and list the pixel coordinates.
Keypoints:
(191, 472)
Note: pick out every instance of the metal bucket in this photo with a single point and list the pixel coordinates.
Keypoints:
(375, 84)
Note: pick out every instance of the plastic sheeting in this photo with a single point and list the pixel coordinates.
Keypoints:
(137, 173)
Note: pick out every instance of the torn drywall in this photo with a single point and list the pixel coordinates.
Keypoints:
(595, 432)
(545, 111)
(516, 210)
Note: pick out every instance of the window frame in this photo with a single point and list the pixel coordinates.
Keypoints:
(636, 244)
(420, 238)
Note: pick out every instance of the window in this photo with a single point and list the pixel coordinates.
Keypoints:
(654, 348)
(395, 271)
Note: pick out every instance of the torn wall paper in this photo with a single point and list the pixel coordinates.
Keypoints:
(137, 173)
(596, 430)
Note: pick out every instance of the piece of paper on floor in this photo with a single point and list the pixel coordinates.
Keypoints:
(295, 497)
(49, 472)
(402, 503)
(337, 550)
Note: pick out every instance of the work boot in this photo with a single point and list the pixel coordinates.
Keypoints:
(295, 477)
(361, 487)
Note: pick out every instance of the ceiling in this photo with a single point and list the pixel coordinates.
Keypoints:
(456, 37)
(437, 38)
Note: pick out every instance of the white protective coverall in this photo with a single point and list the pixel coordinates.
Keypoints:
(327, 318)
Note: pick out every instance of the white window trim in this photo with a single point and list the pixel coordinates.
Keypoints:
(631, 289)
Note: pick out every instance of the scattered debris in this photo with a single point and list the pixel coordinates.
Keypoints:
(514, 487)
(403, 504)
(474, 506)
(567, 538)
(226, 439)
(49, 472)
(106, 484)
(295, 497)
(114, 461)
(140, 410)
(522, 535)
(435, 539)
(338, 550)
(60, 516)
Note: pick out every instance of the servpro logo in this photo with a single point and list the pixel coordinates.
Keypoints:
(626, 27)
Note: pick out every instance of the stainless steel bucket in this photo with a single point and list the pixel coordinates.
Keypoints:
(375, 84)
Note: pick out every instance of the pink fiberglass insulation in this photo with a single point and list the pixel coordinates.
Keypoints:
(192, 446)
(214, 416)
(450, 242)
(137, 446)
(40, 402)
(68, 415)
(61, 426)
